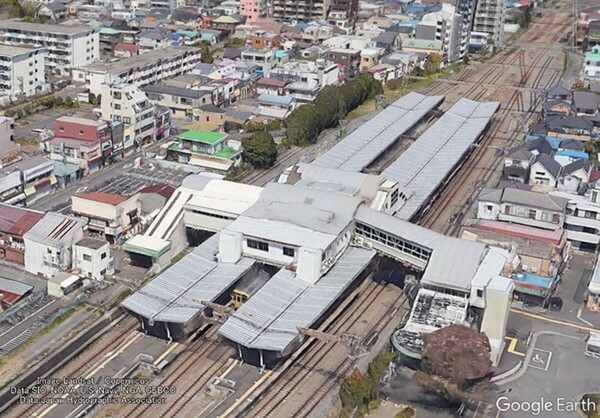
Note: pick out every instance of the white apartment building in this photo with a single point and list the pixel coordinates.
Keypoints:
(490, 16)
(167, 4)
(67, 47)
(139, 70)
(21, 72)
(582, 221)
(126, 103)
(447, 27)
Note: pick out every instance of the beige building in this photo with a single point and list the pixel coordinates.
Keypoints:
(108, 216)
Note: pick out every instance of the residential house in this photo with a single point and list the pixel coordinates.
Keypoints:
(212, 117)
(567, 156)
(158, 38)
(586, 103)
(517, 165)
(558, 107)
(538, 146)
(524, 207)
(273, 86)
(262, 39)
(264, 59)
(49, 244)
(54, 11)
(253, 9)
(347, 59)
(559, 93)
(275, 107)
(404, 61)
(87, 155)
(545, 171)
(108, 216)
(125, 50)
(575, 175)
(211, 150)
(15, 222)
(422, 46)
(92, 256)
(181, 101)
(316, 34)
(348, 42)
(369, 58)
(388, 41)
(385, 72)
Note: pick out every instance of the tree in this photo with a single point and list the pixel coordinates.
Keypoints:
(205, 54)
(457, 353)
(68, 101)
(302, 126)
(260, 150)
(433, 64)
(329, 104)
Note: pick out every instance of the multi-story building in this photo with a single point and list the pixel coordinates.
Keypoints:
(68, 47)
(489, 18)
(181, 101)
(592, 63)
(86, 130)
(107, 215)
(139, 70)
(447, 27)
(253, 9)
(261, 39)
(128, 104)
(22, 72)
(92, 257)
(87, 155)
(48, 245)
(24, 182)
(211, 150)
(166, 4)
(304, 10)
(539, 210)
(349, 7)
(582, 221)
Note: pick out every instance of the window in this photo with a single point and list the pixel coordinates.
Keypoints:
(62, 129)
(80, 132)
(479, 293)
(117, 118)
(208, 118)
(489, 208)
(126, 120)
(258, 245)
(103, 272)
(555, 218)
(507, 209)
(117, 106)
(49, 250)
(532, 213)
(102, 256)
(87, 257)
(117, 95)
(288, 251)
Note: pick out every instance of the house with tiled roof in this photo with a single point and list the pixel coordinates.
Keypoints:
(14, 223)
(108, 216)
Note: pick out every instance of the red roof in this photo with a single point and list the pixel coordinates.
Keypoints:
(17, 221)
(594, 176)
(127, 47)
(9, 298)
(274, 82)
(162, 189)
(109, 199)
(514, 230)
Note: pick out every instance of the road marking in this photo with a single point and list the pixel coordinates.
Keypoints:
(93, 372)
(512, 346)
(541, 357)
(166, 353)
(246, 394)
(554, 321)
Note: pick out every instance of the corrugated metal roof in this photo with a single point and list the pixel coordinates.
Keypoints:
(175, 295)
(428, 161)
(13, 286)
(17, 221)
(453, 262)
(367, 142)
(55, 230)
(269, 319)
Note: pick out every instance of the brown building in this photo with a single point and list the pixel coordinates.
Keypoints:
(264, 40)
(14, 223)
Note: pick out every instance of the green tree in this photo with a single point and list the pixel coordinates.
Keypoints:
(206, 56)
(330, 106)
(302, 126)
(433, 64)
(68, 101)
(260, 150)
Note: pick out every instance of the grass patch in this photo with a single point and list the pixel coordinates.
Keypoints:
(28, 141)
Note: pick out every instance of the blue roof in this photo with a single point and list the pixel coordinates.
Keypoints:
(553, 141)
(302, 25)
(410, 22)
(572, 153)
(281, 53)
(62, 169)
(417, 8)
(271, 98)
(533, 279)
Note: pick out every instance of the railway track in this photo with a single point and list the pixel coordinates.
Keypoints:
(197, 356)
(314, 361)
(82, 363)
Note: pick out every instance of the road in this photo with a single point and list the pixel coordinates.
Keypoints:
(61, 200)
